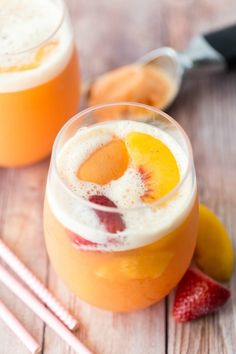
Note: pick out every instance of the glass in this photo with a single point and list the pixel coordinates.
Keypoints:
(138, 275)
(39, 84)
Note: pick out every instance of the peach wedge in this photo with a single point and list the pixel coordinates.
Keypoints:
(106, 164)
(156, 164)
(214, 250)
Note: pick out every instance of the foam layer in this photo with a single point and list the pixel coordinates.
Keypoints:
(29, 24)
(144, 224)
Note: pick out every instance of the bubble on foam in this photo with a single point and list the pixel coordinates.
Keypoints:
(24, 25)
(143, 226)
(126, 191)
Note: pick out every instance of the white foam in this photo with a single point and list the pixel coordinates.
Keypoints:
(26, 24)
(143, 225)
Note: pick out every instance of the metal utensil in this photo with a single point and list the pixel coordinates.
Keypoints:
(215, 51)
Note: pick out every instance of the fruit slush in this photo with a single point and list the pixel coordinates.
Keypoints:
(121, 209)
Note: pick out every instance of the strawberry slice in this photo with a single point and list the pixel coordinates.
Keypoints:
(112, 221)
(198, 295)
(78, 240)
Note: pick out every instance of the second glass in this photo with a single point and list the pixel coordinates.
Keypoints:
(39, 78)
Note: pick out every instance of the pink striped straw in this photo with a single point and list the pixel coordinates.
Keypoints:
(17, 328)
(37, 287)
(41, 311)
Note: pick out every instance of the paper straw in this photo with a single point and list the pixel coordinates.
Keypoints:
(17, 328)
(41, 311)
(37, 287)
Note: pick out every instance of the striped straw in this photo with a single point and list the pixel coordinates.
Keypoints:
(12, 322)
(37, 287)
(30, 300)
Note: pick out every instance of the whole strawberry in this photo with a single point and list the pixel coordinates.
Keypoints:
(198, 295)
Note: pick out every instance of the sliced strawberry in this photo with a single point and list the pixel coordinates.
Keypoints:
(80, 241)
(112, 221)
(198, 295)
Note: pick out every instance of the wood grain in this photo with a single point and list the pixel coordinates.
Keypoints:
(21, 196)
(109, 34)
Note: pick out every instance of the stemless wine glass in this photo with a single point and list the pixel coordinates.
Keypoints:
(158, 244)
(39, 78)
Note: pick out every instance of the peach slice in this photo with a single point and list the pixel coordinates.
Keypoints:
(106, 164)
(150, 265)
(214, 251)
(40, 55)
(155, 162)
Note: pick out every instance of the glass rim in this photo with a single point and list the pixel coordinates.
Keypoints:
(124, 209)
(62, 8)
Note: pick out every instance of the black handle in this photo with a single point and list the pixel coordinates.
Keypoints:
(224, 42)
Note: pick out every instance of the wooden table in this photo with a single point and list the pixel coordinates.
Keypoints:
(109, 34)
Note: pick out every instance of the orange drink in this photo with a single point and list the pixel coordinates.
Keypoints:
(39, 78)
(121, 207)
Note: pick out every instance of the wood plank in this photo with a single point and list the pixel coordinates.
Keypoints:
(206, 109)
(21, 201)
(215, 153)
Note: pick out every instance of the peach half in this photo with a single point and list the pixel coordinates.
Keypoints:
(156, 164)
(106, 164)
